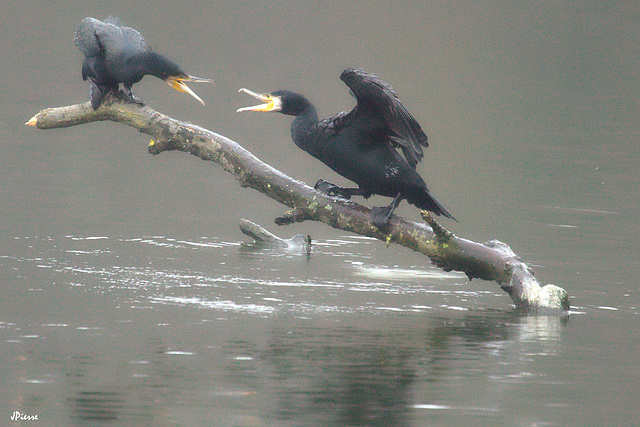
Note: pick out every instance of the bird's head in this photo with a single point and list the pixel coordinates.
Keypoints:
(177, 82)
(173, 75)
(282, 101)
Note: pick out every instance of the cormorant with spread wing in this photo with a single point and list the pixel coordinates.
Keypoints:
(361, 144)
(117, 54)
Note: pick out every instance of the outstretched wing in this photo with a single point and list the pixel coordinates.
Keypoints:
(109, 37)
(375, 96)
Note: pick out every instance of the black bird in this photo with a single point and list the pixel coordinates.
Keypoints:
(117, 54)
(361, 144)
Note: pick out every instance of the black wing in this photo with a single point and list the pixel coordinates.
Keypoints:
(332, 125)
(375, 94)
(85, 37)
(109, 37)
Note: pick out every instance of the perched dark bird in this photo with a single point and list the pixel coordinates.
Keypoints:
(115, 54)
(361, 144)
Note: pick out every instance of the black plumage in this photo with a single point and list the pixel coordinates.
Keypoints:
(361, 144)
(117, 54)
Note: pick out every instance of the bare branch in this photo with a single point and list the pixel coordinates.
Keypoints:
(490, 261)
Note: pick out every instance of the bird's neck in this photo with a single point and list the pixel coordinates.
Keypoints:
(154, 64)
(304, 128)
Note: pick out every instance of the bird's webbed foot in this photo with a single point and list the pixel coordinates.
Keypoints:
(333, 190)
(380, 215)
(130, 97)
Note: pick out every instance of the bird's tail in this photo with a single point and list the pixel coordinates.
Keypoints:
(428, 202)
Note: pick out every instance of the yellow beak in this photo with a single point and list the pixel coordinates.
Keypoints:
(178, 84)
(271, 103)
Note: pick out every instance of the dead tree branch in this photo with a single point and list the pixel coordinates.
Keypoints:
(489, 261)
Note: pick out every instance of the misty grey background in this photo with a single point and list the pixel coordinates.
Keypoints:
(127, 297)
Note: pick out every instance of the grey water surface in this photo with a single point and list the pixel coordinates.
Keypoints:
(129, 296)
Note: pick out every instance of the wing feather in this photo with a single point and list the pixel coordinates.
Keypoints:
(85, 37)
(110, 37)
(375, 94)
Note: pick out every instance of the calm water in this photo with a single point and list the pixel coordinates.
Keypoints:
(128, 295)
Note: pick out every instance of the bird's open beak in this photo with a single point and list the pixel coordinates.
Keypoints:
(271, 103)
(178, 84)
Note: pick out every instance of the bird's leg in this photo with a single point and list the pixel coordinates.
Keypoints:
(130, 97)
(333, 190)
(380, 215)
(97, 93)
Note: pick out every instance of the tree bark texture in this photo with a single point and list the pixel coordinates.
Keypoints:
(489, 261)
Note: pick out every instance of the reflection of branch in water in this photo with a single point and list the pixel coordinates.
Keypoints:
(501, 348)
(489, 261)
(378, 376)
(501, 327)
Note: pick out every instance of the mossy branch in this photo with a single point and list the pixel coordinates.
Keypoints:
(490, 261)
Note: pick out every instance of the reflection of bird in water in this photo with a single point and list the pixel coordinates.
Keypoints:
(116, 54)
(361, 144)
